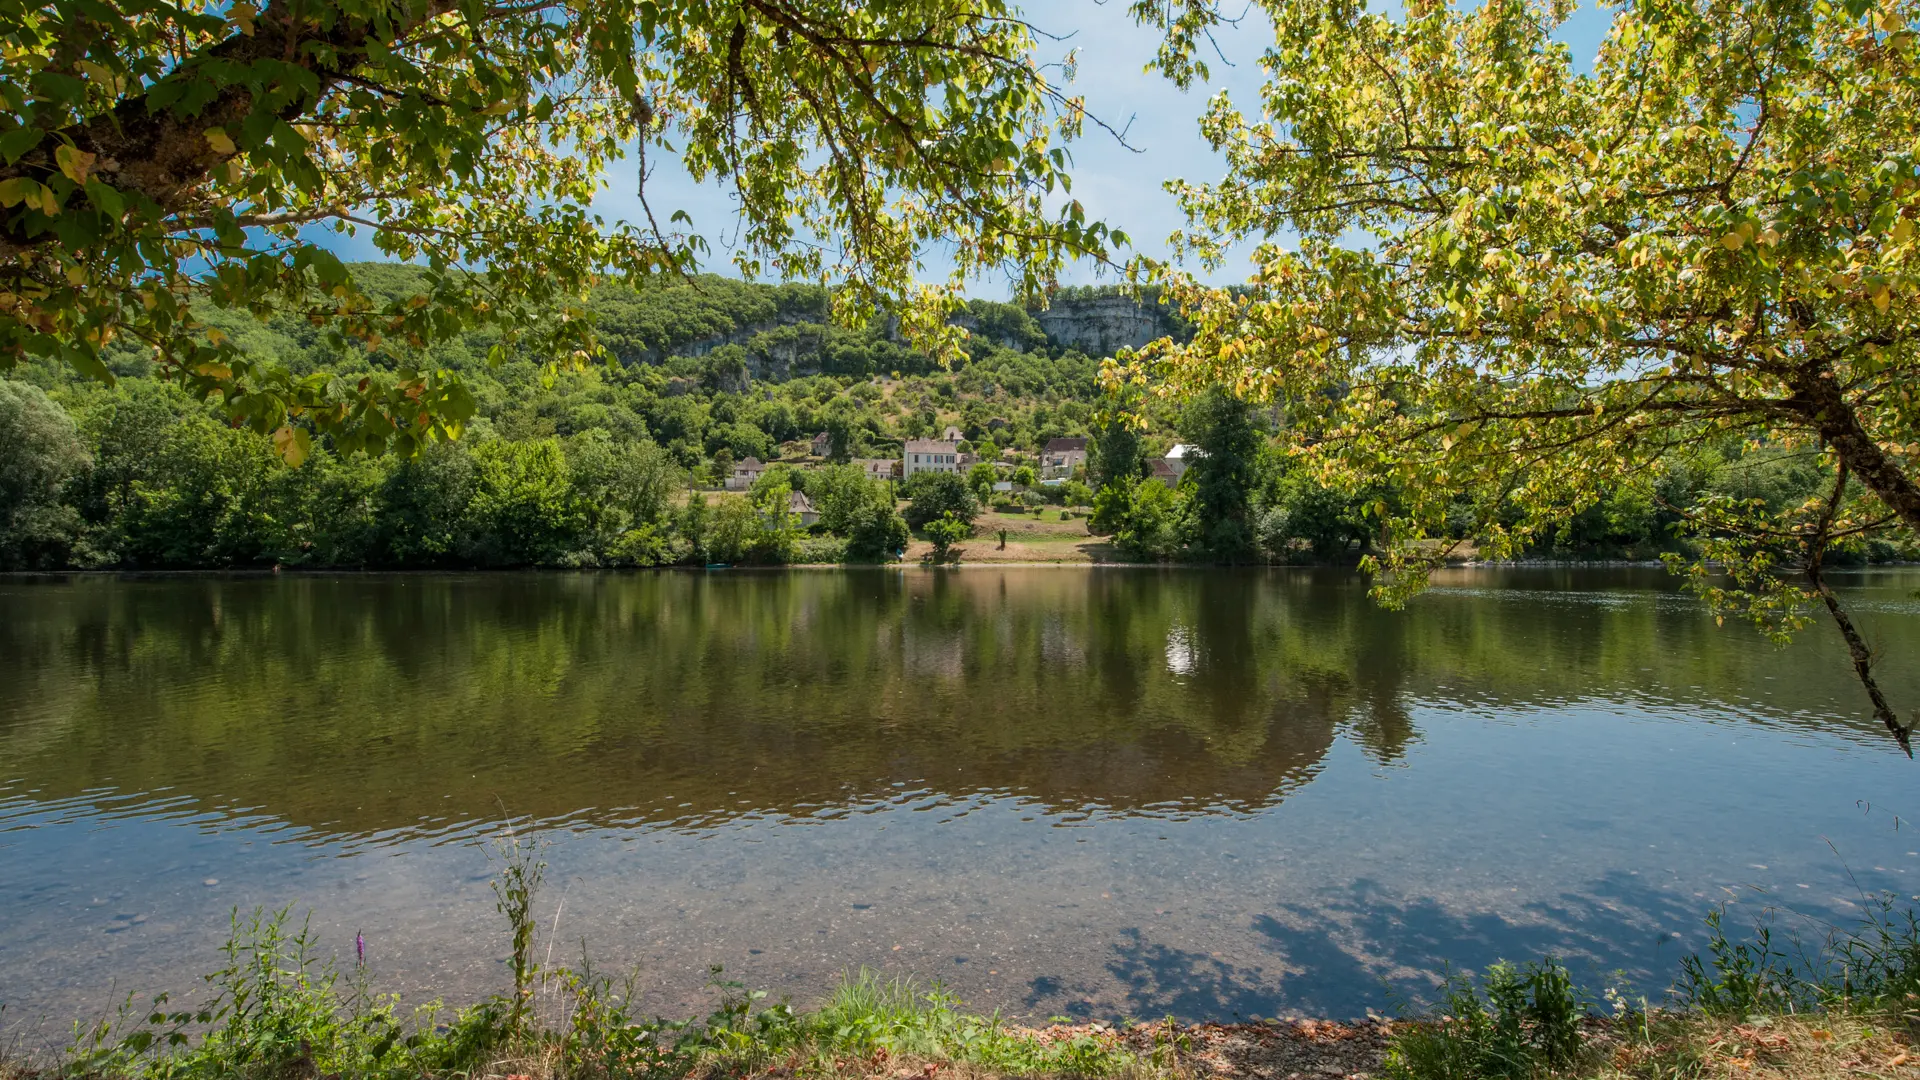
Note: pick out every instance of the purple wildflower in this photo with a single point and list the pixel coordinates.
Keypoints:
(360, 947)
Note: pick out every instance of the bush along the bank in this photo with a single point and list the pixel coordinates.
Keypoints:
(1748, 1006)
(141, 484)
(1246, 493)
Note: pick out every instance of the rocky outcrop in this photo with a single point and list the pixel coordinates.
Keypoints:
(1103, 325)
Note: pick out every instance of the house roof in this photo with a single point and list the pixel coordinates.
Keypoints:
(1182, 451)
(1062, 445)
(749, 462)
(798, 503)
(931, 446)
(1161, 468)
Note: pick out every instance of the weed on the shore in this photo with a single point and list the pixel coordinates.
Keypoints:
(1517, 1023)
(1745, 1007)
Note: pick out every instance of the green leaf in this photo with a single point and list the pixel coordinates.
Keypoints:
(15, 143)
(106, 199)
(18, 189)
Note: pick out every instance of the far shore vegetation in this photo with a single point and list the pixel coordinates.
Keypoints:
(628, 464)
(1759, 1002)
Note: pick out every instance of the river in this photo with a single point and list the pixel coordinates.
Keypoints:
(1055, 791)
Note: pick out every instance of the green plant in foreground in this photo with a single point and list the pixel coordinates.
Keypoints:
(1525, 1024)
(869, 1012)
(1879, 963)
(276, 1012)
(520, 873)
(1740, 978)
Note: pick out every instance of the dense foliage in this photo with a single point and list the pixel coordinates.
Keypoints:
(608, 466)
(1525, 295)
(589, 467)
(160, 157)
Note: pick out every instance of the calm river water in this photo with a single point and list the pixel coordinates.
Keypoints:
(1056, 791)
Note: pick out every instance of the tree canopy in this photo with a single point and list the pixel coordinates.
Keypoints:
(1516, 287)
(155, 153)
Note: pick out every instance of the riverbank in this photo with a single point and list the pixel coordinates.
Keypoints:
(1745, 1009)
(887, 1031)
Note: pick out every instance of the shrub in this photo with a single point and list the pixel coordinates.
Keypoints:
(1152, 520)
(937, 495)
(1526, 1025)
(875, 532)
(946, 532)
(822, 549)
(1739, 978)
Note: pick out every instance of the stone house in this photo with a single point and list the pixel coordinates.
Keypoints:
(745, 472)
(1181, 456)
(929, 455)
(879, 468)
(802, 509)
(1060, 457)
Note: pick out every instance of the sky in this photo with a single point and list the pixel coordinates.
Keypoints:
(1120, 184)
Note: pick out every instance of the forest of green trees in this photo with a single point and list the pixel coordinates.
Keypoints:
(610, 465)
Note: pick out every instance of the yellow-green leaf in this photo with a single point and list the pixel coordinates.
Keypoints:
(74, 162)
(293, 444)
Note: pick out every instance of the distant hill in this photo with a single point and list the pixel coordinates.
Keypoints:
(760, 331)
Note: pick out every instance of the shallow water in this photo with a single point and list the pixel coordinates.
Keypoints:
(1057, 791)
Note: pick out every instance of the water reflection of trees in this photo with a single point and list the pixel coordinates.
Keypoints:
(356, 704)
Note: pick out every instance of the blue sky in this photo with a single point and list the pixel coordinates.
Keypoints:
(1114, 183)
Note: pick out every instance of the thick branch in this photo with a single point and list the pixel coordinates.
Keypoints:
(1818, 398)
(164, 154)
(1856, 647)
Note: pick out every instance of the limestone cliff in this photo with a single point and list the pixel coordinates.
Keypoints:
(1103, 325)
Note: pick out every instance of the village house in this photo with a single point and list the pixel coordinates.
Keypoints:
(1060, 457)
(802, 509)
(745, 472)
(821, 445)
(1181, 456)
(929, 455)
(1164, 472)
(879, 468)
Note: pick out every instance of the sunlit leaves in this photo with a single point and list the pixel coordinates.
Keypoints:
(1525, 286)
(158, 155)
